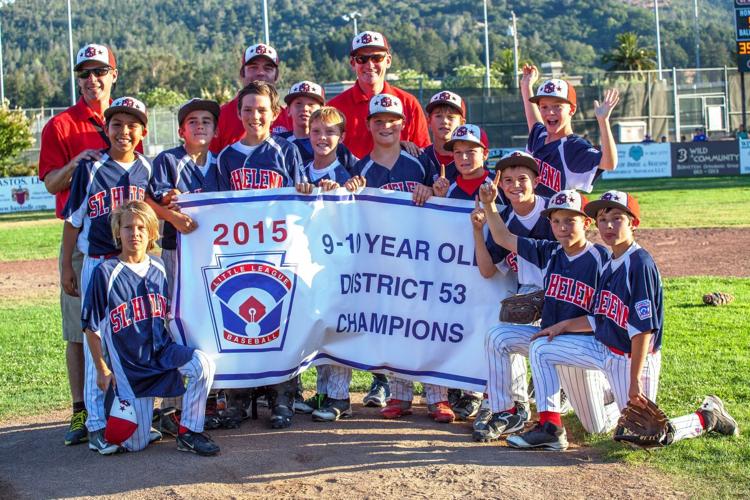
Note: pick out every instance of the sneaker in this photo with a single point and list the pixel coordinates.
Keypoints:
(97, 443)
(482, 419)
(310, 404)
(441, 412)
(212, 418)
(467, 407)
(154, 435)
(332, 410)
(377, 395)
(77, 432)
(281, 416)
(197, 442)
(716, 418)
(396, 409)
(169, 421)
(501, 423)
(545, 437)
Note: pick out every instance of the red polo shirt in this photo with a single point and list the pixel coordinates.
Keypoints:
(67, 134)
(231, 129)
(354, 103)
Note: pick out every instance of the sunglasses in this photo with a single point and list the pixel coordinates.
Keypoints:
(98, 72)
(376, 58)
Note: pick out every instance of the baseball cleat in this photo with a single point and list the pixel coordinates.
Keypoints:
(502, 423)
(716, 418)
(467, 407)
(544, 437)
(281, 417)
(154, 435)
(169, 421)
(310, 404)
(332, 410)
(483, 417)
(197, 442)
(377, 395)
(396, 409)
(97, 443)
(77, 432)
(441, 412)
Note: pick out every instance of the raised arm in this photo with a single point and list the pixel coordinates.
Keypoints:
(530, 75)
(498, 229)
(602, 111)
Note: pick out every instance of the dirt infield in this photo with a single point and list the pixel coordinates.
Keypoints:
(364, 457)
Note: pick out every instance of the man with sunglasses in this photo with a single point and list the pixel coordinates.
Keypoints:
(260, 62)
(71, 136)
(370, 58)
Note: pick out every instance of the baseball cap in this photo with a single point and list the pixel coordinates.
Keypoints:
(369, 39)
(447, 98)
(129, 105)
(308, 89)
(258, 50)
(517, 159)
(121, 422)
(568, 199)
(95, 52)
(196, 104)
(468, 133)
(560, 89)
(386, 103)
(615, 199)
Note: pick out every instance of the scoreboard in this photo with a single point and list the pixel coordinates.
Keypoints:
(742, 32)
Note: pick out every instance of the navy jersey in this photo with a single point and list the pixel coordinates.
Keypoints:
(469, 190)
(344, 156)
(568, 163)
(175, 169)
(450, 167)
(128, 312)
(335, 172)
(534, 226)
(97, 188)
(569, 282)
(629, 300)
(405, 174)
(274, 163)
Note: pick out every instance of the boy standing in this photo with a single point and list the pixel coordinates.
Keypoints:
(446, 111)
(125, 308)
(566, 160)
(98, 187)
(627, 322)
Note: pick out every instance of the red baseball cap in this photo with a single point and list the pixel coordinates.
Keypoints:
(615, 199)
(559, 89)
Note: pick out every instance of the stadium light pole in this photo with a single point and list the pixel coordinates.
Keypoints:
(70, 56)
(352, 16)
(658, 38)
(265, 22)
(514, 33)
(697, 36)
(3, 3)
(486, 50)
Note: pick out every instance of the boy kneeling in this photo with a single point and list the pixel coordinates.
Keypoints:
(125, 308)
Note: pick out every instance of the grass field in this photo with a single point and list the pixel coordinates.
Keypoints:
(664, 203)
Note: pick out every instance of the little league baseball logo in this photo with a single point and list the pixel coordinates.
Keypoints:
(20, 195)
(250, 298)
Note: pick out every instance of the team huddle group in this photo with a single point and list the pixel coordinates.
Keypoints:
(598, 343)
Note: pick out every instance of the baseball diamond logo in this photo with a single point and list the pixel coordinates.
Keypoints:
(366, 38)
(250, 298)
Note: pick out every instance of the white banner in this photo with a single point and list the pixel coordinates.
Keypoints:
(273, 281)
(640, 161)
(744, 156)
(18, 194)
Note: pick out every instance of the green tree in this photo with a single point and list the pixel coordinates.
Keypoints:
(15, 137)
(627, 55)
(159, 97)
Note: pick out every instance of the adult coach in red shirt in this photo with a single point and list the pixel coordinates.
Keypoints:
(69, 137)
(259, 62)
(370, 57)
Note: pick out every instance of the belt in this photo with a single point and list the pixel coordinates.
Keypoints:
(105, 256)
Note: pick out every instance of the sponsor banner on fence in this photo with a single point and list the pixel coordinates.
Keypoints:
(744, 156)
(19, 194)
(694, 159)
(640, 161)
(273, 281)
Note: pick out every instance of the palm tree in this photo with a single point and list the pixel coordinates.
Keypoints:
(628, 56)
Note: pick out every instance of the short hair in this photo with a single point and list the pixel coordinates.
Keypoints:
(330, 116)
(260, 88)
(446, 107)
(140, 209)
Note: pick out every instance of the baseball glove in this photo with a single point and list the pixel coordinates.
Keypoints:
(717, 299)
(645, 427)
(522, 309)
